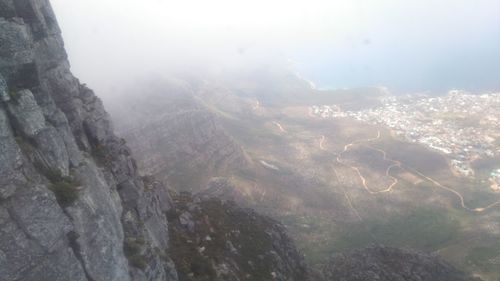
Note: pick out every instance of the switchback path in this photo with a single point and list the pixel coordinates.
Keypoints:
(395, 164)
(402, 166)
(357, 170)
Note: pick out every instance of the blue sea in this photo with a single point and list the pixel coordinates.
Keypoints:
(402, 68)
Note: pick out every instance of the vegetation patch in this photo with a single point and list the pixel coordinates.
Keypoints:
(132, 247)
(14, 94)
(186, 178)
(423, 229)
(100, 155)
(65, 188)
(485, 257)
(24, 145)
(222, 231)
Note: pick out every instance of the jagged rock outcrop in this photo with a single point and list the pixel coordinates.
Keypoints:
(390, 264)
(72, 204)
(215, 239)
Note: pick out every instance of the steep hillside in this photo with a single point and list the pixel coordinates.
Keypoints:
(214, 239)
(174, 135)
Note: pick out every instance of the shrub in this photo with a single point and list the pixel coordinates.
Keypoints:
(172, 214)
(14, 94)
(132, 249)
(138, 261)
(24, 145)
(65, 190)
(101, 156)
(202, 268)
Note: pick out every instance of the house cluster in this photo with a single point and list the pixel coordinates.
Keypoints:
(328, 111)
(460, 125)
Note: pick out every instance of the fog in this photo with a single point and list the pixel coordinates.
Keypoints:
(406, 45)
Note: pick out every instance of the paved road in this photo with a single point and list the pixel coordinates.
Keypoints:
(358, 171)
(458, 194)
(395, 180)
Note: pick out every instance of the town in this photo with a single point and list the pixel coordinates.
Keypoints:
(462, 126)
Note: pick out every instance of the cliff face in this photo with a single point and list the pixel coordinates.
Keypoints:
(71, 200)
(174, 135)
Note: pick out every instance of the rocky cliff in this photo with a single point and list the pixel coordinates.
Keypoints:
(72, 203)
(71, 200)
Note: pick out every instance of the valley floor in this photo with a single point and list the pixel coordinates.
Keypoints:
(346, 184)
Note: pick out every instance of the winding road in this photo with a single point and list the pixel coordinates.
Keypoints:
(395, 180)
(357, 170)
(395, 164)
(458, 194)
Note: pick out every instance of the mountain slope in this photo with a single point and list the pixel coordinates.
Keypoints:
(214, 239)
(174, 136)
(72, 203)
(71, 195)
(390, 264)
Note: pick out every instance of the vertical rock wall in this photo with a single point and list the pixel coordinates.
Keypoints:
(72, 205)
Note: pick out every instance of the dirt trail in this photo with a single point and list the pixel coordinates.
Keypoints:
(395, 180)
(458, 194)
(395, 164)
(349, 201)
(357, 170)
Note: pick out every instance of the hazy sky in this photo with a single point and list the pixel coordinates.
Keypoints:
(409, 45)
